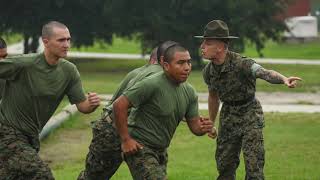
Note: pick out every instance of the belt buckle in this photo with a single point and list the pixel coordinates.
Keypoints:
(106, 117)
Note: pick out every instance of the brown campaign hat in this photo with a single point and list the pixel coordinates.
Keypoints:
(216, 29)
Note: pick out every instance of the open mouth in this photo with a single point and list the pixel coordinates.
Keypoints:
(184, 75)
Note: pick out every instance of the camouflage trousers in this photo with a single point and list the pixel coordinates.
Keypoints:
(19, 157)
(240, 128)
(148, 164)
(105, 157)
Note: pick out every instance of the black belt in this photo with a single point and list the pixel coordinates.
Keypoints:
(239, 103)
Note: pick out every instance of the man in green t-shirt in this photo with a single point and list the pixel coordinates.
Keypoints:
(35, 86)
(104, 157)
(231, 78)
(3, 54)
(160, 103)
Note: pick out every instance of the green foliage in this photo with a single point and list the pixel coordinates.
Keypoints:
(11, 38)
(150, 21)
(82, 17)
(157, 21)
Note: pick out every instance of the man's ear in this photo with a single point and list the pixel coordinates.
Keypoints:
(165, 66)
(45, 41)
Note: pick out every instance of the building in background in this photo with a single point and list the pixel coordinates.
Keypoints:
(302, 20)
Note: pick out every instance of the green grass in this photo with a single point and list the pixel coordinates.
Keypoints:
(291, 143)
(12, 38)
(119, 45)
(308, 50)
(104, 76)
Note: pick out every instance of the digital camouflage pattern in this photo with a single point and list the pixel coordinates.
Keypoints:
(148, 164)
(233, 80)
(104, 157)
(240, 127)
(19, 157)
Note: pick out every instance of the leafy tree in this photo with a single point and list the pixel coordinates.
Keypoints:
(151, 21)
(179, 20)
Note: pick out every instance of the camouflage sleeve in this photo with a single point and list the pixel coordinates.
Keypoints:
(206, 77)
(247, 67)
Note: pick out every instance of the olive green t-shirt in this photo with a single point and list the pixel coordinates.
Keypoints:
(131, 79)
(34, 89)
(160, 105)
(126, 80)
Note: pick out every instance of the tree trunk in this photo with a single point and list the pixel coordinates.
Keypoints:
(34, 44)
(26, 48)
(30, 43)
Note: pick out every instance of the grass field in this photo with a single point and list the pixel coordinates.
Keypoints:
(291, 143)
(12, 38)
(103, 76)
(307, 50)
(119, 45)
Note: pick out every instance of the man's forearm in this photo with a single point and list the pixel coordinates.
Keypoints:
(121, 115)
(85, 107)
(213, 106)
(270, 76)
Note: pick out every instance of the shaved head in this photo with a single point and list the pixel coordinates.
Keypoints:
(47, 29)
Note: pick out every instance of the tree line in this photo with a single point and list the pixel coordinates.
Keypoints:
(151, 21)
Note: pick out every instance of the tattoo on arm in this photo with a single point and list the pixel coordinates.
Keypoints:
(270, 76)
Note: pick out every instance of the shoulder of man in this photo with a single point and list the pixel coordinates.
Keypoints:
(207, 68)
(189, 88)
(24, 58)
(67, 64)
(240, 58)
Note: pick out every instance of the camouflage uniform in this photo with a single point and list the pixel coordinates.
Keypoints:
(104, 156)
(149, 164)
(19, 157)
(241, 117)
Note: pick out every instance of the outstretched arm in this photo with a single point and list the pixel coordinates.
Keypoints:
(120, 108)
(274, 77)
